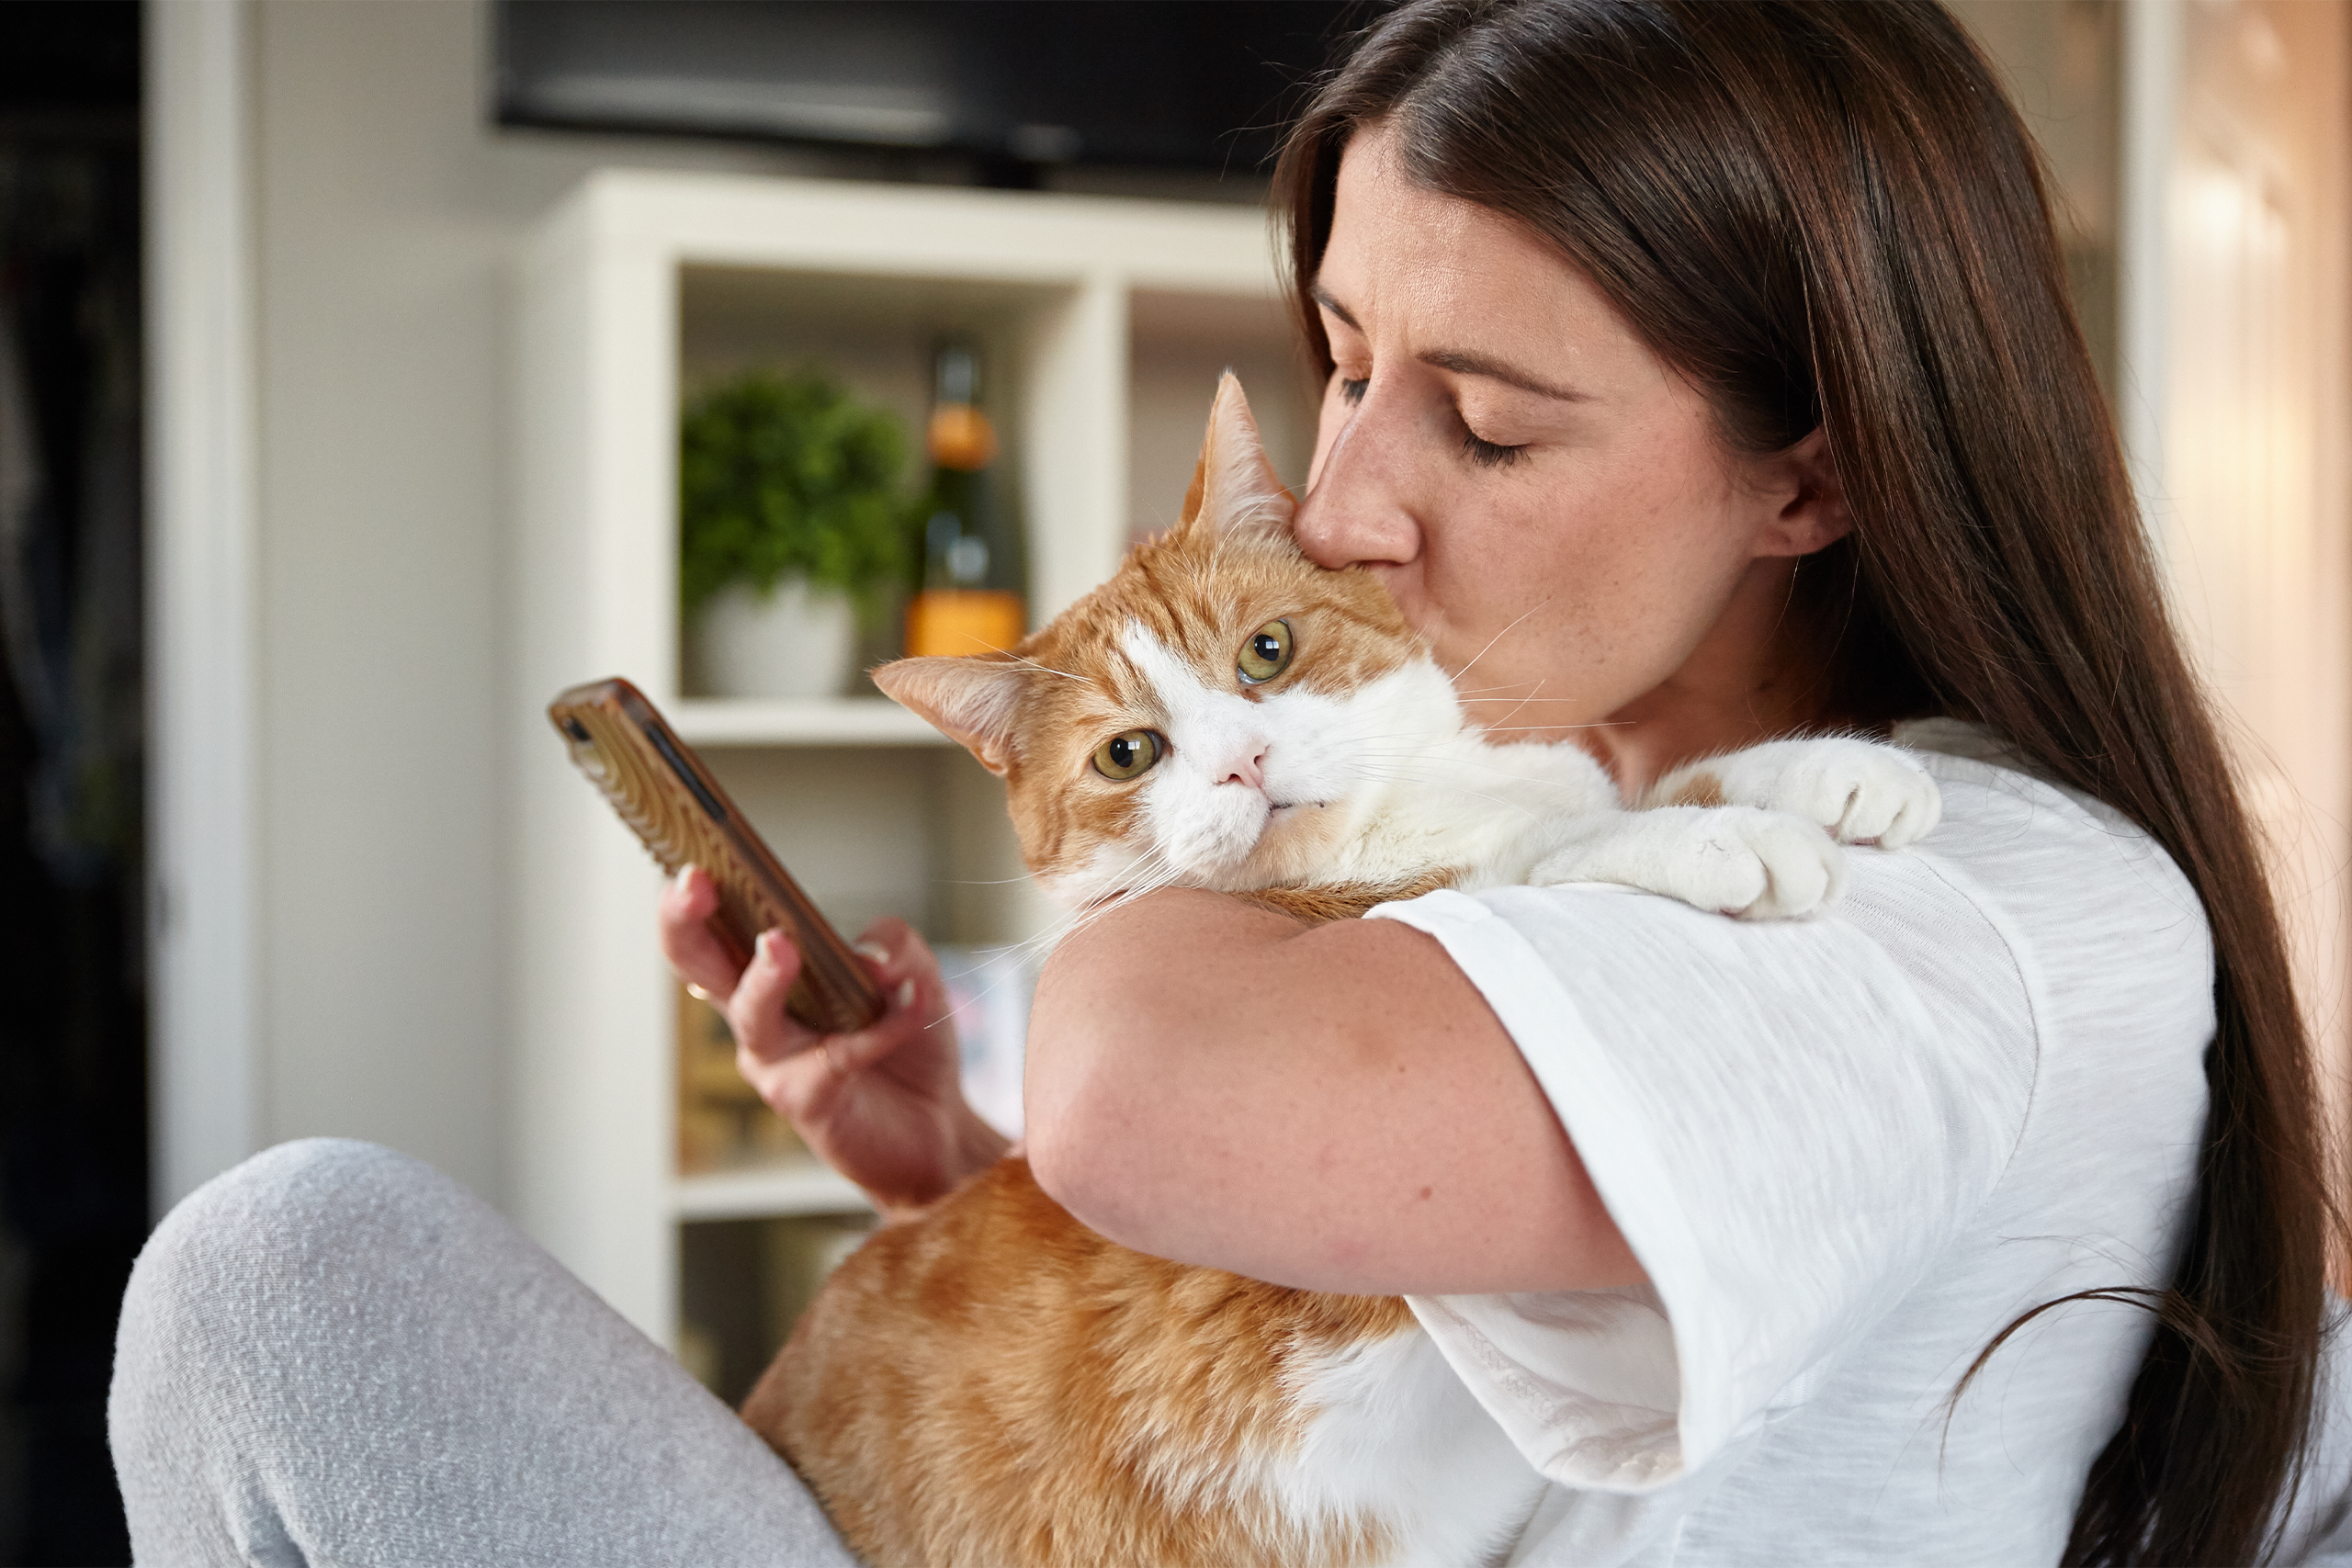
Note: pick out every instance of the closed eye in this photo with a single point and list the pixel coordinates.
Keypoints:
(1487, 454)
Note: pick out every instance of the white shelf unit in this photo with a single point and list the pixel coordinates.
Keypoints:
(1104, 321)
(828, 721)
(764, 1193)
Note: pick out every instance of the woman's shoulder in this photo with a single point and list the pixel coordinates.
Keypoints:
(2028, 909)
(2101, 938)
(2030, 841)
(1972, 757)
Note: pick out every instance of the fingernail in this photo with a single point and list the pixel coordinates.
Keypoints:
(679, 881)
(905, 997)
(875, 950)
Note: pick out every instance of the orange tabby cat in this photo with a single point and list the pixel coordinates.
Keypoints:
(992, 1385)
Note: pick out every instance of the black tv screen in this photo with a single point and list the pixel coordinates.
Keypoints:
(1199, 85)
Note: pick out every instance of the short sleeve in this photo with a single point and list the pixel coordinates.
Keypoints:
(1788, 1121)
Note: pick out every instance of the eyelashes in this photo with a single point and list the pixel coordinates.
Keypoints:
(1485, 454)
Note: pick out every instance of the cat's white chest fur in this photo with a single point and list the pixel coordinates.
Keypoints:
(1393, 1436)
(1488, 811)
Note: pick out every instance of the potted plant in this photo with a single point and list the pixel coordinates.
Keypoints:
(791, 528)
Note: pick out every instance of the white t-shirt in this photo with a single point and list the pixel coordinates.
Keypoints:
(1847, 1151)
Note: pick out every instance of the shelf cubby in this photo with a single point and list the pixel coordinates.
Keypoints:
(1105, 323)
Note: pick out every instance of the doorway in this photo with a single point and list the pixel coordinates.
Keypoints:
(72, 1011)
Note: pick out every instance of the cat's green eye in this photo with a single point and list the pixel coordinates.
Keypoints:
(1265, 655)
(1130, 755)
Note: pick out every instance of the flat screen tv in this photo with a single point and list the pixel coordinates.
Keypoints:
(1198, 85)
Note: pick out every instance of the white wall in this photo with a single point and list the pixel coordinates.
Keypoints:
(386, 211)
(2250, 491)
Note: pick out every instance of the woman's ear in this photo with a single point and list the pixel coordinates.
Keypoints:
(1812, 514)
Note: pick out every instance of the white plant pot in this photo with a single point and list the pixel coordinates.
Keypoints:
(795, 643)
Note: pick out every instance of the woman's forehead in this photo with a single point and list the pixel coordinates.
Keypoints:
(1464, 286)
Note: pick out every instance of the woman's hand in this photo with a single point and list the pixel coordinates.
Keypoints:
(883, 1106)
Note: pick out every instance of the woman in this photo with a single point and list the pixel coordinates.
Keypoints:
(1625, 311)
(1696, 373)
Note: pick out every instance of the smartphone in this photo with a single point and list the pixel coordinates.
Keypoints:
(665, 794)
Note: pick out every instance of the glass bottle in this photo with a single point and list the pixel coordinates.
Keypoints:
(973, 567)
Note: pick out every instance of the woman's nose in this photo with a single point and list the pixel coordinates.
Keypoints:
(1356, 513)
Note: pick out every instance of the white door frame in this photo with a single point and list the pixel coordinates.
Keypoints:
(2153, 32)
(202, 596)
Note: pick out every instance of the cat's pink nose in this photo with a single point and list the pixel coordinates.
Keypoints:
(1249, 769)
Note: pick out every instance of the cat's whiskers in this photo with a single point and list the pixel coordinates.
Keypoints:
(1502, 633)
(1021, 956)
(1479, 767)
(1487, 692)
(1363, 747)
(1525, 811)
(1523, 703)
(1028, 663)
(1515, 728)
(1151, 872)
(1484, 696)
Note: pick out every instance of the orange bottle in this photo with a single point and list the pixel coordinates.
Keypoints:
(973, 572)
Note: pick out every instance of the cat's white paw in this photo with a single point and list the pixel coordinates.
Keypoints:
(1756, 865)
(1859, 791)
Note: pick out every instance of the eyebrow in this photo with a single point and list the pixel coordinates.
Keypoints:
(1465, 364)
(1324, 297)
(1509, 374)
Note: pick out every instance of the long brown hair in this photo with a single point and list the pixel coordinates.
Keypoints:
(1827, 214)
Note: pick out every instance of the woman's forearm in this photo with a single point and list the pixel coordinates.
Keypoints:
(1332, 1107)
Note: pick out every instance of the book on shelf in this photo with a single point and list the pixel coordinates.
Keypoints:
(722, 1122)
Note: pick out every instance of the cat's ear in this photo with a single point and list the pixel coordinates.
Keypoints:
(973, 700)
(1235, 489)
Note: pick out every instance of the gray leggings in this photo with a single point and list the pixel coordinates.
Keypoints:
(335, 1355)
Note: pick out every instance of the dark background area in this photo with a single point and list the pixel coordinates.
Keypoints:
(73, 1024)
(1015, 87)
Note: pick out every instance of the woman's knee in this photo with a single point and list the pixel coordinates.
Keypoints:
(274, 1215)
(255, 1287)
(290, 1229)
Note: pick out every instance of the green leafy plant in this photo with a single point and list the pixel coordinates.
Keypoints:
(783, 476)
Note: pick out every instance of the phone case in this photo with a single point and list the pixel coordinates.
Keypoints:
(662, 791)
